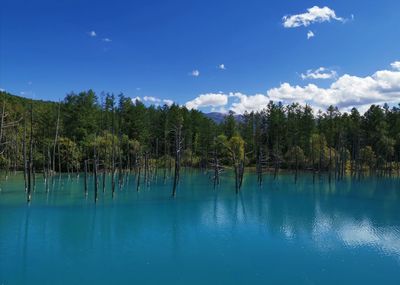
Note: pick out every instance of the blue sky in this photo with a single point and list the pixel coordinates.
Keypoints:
(152, 49)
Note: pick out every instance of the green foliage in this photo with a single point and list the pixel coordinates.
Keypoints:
(70, 153)
(281, 134)
(368, 157)
(295, 156)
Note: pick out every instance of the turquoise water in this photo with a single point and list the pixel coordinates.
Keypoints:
(346, 233)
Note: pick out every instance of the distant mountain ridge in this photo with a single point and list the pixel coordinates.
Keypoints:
(218, 118)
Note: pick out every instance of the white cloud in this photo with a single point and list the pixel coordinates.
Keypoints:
(151, 99)
(310, 35)
(320, 73)
(107, 40)
(92, 34)
(222, 66)
(136, 99)
(156, 101)
(2, 90)
(168, 102)
(195, 73)
(248, 103)
(208, 100)
(345, 92)
(313, 15)
(396, 65)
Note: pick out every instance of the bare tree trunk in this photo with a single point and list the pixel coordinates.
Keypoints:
(178, 149)
(156, 160)
(138, 175)
(313, 159)
(16, 143)
(330, 165)
(235, 167)
(120, 175)
(3, 115)
(56, 139)
(85, 177)
(241, 173)
(104, 176)
(216, 166)
(96, 181)
(260, 161)
(59, 159)
(297, 166)
(276, 159)
(30, 165)
(113, 153)
(25, 158)
(145, 168)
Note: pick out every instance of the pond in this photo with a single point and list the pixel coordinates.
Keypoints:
(346, 232)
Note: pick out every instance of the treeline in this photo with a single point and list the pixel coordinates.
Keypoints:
(83, 121)
(116, 134)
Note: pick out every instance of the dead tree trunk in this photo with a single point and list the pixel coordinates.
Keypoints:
(276, 159)
(104, 176)
(216, 166)
(113, 152)
(145, 168)
(259, 167)
(313, 159)
(59, 159)
(236, 170)
(156, 160)
(56, 139)
(330, 165)
(3, 115)
(96, 181)
(138, 164)
(120, 175)
(178, 150)
(85, 177)
(296, 165)
(24, 157)
(30, 165)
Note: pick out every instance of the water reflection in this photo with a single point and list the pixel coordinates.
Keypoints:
(138, 229)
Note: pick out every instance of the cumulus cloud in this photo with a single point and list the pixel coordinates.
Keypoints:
(320, 73)
(396, 65)
(107, 40)
(154, 100)
(195, 73)
(313, 15)
(168, 102)
(345, 92)
(310, 35)
(151, 99)
(222, 66)
(92, 34)
(208, 100)
(136, 99)
(248, 103)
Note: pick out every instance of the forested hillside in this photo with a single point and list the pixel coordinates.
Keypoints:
(123, 134)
